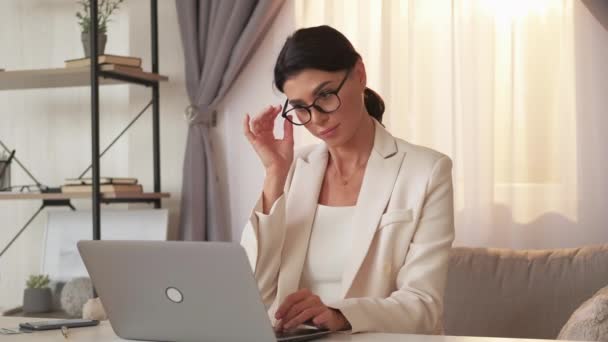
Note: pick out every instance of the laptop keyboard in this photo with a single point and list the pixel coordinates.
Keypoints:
(301, 334)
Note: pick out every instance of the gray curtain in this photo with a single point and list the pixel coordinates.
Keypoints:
(599, 9)
(218, 38)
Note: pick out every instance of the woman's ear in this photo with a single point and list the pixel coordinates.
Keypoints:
(360, 73)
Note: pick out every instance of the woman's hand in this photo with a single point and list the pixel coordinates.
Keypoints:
(276, 154)
(304, 306)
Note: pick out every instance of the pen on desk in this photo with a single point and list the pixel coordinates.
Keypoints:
(64, 331)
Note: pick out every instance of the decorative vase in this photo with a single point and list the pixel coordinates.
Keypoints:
(37, 300)
(101, 43)
(75, 294)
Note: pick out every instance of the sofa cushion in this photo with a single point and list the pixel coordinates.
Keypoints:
(519, 294)
(590, 321)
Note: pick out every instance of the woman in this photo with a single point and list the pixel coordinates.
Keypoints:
(353, 233)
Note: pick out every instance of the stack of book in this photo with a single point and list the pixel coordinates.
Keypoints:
(124, 64)
(107, 185)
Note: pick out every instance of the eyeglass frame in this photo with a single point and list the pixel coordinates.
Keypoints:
(314, 103)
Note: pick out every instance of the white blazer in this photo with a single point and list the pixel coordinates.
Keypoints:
(403, 230)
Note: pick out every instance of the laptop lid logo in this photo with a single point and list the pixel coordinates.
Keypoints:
(174, 295)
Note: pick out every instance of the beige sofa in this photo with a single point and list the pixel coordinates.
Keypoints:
(520, 294)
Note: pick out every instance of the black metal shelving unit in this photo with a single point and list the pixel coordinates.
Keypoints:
(96, 76)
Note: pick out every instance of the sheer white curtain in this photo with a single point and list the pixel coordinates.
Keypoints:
(492, 84)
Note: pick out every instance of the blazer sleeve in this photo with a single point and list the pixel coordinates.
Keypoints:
(262, 239)
(417, 305)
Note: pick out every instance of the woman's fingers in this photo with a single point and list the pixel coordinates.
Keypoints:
(290, 301)
(323, 319)
(247, 129)
(296, 309)
(288, 130)
(301, 306)
(258, 120)
(264, 121)
(272, 114)
(259, 131)
(304, 316)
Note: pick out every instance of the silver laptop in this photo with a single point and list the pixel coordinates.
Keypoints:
(181, 291)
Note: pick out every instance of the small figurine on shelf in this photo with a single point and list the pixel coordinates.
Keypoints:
(37, 297)
(105, 8)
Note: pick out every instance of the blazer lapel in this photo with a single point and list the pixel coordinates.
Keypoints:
(378, 182)
(301, 208)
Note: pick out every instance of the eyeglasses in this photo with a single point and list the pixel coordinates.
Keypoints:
(327, 102)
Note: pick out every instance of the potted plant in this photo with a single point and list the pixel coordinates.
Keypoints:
(37, 297)
(105, 8)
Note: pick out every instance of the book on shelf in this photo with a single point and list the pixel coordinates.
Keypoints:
(121, 68)
(105, 188)
(105, 59)
(132, 72)
(125, 69)
(102, 180)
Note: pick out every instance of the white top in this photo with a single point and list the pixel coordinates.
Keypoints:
(328, 248)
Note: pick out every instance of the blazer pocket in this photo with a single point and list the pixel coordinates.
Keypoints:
(394, 216)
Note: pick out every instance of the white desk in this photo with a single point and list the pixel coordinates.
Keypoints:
(104, 333)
